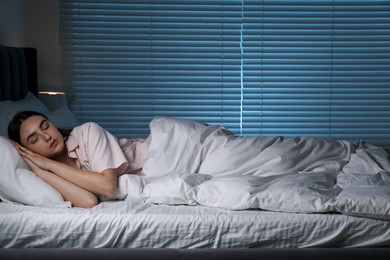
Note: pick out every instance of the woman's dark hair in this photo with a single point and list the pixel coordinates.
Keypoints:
(16, 122)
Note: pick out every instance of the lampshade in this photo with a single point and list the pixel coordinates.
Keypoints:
(53, 100)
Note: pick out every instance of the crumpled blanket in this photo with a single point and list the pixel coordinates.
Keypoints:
(191, 163)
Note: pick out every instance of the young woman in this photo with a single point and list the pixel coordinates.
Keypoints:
(82, 165)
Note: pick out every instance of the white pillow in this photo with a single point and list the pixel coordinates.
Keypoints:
(19, 184)
(30, 102)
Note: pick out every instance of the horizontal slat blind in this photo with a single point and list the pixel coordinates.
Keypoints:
(131, 60)
(318, 68)
(361, 71)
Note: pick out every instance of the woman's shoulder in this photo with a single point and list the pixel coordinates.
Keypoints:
(84, 132)
(86, 128)
(87, 125)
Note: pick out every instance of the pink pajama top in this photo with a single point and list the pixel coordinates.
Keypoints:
(95, 149)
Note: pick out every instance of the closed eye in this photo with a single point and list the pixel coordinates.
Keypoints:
(45, 125)
(32, 138)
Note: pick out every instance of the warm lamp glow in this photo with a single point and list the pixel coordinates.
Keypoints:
(51, 93)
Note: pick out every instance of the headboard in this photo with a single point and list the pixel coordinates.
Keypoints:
(18, 72)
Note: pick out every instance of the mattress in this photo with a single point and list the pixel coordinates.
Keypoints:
(135, 224)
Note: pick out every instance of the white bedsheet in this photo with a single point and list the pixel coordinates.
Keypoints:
(133, 224)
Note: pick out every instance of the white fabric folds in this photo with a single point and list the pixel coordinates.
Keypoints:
(191, 163)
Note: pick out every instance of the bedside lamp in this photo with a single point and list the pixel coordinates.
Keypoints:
(59, 114)
(53, 100)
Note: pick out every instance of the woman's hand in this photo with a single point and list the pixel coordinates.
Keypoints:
(34, 161)
(33, 167)
(78, 196)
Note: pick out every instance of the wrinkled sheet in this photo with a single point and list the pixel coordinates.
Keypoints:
(194, 164)
(135, 224)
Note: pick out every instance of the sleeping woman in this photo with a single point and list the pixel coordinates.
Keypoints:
(83, 164)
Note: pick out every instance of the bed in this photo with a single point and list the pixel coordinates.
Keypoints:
(151, 221)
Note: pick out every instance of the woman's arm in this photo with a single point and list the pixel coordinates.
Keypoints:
(104, 183)
(78, 196)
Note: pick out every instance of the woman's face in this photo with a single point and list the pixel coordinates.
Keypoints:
(41, 136)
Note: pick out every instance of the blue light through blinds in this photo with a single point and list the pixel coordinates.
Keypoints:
(316, 68)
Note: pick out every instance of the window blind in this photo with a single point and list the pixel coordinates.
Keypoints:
(271, 67)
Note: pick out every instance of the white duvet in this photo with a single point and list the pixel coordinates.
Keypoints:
(194, 164)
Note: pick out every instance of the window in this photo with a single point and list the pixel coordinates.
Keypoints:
(277, 67)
